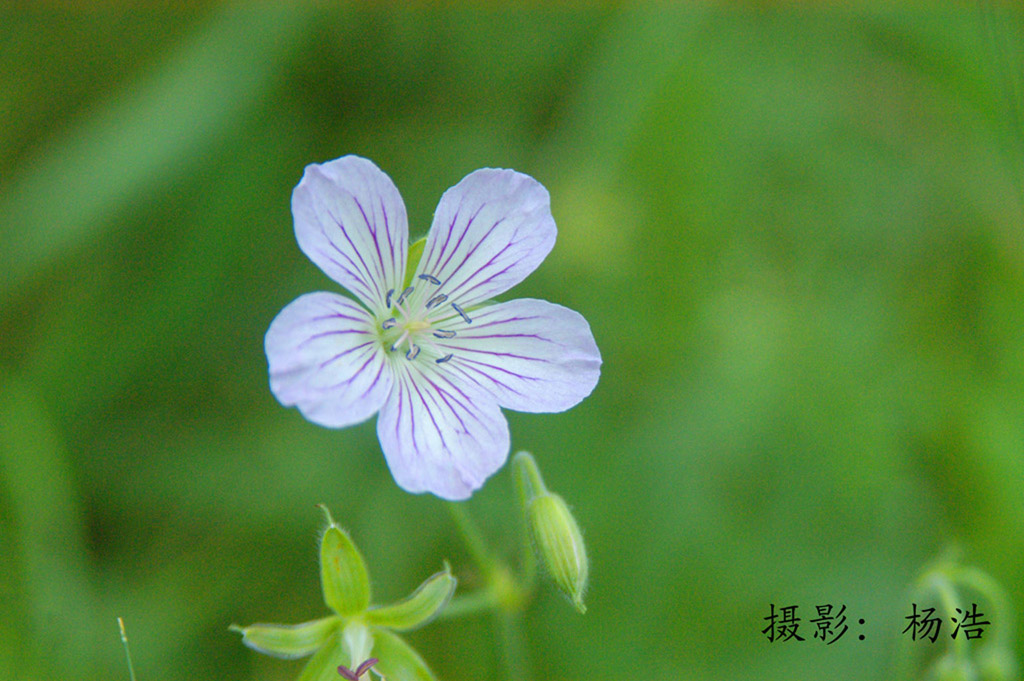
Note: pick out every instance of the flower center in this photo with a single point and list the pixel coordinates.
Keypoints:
(420, 314)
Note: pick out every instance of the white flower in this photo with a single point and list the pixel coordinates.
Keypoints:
(435, 359)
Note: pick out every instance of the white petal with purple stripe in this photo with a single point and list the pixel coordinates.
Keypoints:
(532, 355)
(489, 232)
(325, 358)
(350, 220)
(439, 435)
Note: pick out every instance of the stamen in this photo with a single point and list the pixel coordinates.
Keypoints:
(413, 351)
(432, 279)
(387, 298)
(389, 323)
(444, 333)
(401, 298)
(436, 300)
(400, 341)
(444, 359)
(462, 314)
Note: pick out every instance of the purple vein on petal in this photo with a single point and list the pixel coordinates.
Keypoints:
(373, 233)
(437, 428)
(335, 315)
(473, 249)
(358, 279)
(324, 334)
(338, 356)
(440, 266)
(359, 255)
(376, 379)
(464, 369)
(489, 279)
(355, 374)
(387, 233)
(448, 236)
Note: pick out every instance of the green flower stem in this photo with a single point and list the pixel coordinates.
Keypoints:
(528, 483)
(467, 605)
(503, 595)
(514, 651)
(474, 539)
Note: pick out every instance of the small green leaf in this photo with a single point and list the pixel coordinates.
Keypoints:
(343, 572)
(324, 665)
(288, 641)
(420, 607)
(413, 261)
(396, 660)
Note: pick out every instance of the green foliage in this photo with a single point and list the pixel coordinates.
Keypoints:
(795, 233)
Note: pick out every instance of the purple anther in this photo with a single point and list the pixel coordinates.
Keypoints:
(444, 333)
(462, 314)
(387, 298)
(436, 300)
(444, 359)
(389, 324)
(401, 298)
(412, 352)
(432, 279)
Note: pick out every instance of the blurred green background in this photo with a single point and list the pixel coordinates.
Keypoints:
(796, 234)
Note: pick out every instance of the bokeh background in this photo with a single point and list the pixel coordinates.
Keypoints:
(796, 234)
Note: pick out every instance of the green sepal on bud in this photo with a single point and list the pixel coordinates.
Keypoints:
(420, 607)
(343, 574)
(288, 641)
(560, 545)
(397, 661)
(324, 665)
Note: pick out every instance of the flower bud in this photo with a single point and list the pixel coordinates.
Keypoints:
(560, 545)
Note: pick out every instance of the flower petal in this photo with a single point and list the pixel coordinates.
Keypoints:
(532, 355)
(489, 232)
(350, 220)
(437, 436)
(326, 360)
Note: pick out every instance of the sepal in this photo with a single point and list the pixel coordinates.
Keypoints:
(288, 641)
(420, 607)
(398, 661)
(324, 665)
(343, 575)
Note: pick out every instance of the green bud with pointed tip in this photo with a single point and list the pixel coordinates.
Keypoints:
(343, 575)
(560, 545)
(288, 641)
(419, 608)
